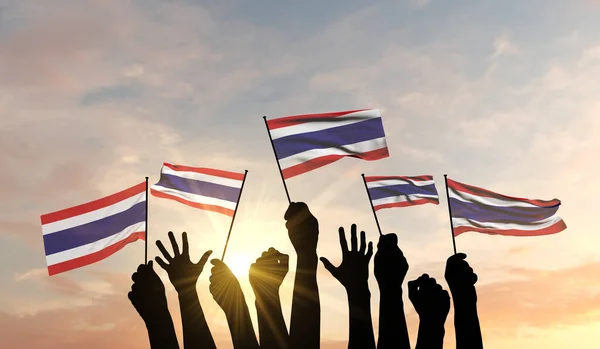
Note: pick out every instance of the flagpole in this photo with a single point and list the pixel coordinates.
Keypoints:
(371, 202)
(450, 213)
(277, 160)
(234, 213)
(146, 233)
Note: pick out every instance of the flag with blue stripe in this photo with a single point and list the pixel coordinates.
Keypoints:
(483, 211)
(303, 143)
(203, 188)
(401, 191)
(85, 234)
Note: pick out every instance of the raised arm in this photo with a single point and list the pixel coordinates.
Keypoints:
(149, 300)
(266, 276)
(184, 274)
(390, 270)
(227, 292)
(432, 303)
(461, 280)
(305, 324)
(353, 274)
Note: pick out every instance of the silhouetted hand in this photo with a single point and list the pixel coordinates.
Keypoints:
(390, 264)
(224, 287)
(430, 300)
(183, 273)
(267, 274)
(353, 273)
(303, 228)
(460, 277)
(147, 292)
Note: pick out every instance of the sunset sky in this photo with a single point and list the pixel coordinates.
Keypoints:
(97, 94)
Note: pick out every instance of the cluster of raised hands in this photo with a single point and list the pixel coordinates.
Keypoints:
(430, 300)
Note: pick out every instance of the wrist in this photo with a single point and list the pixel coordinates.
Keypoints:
(392, 289)
(358, 293)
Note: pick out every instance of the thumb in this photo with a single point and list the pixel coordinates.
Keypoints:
(151, 264)
(327, 264)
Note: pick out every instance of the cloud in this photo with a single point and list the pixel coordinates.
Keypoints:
(419, 3)
(503, 46)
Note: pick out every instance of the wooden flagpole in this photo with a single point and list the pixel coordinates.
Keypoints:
(450, 213)
(234, 213)
(146, 232)
(371, 203)
(277, 160)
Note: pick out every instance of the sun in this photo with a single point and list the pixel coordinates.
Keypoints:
(238, 263)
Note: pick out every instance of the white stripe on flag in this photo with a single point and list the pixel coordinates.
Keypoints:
(95, 246)
(467, 197)
(541, 224)
(93, 216)
(402, 198)
(317, 125)
(203, 177)
(397, 181)
(201, 199)
(350, 149)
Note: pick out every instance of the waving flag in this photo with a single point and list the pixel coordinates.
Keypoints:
(303, 143)
(85, 234)
(401, 191)
(203, 188)
(480, 210)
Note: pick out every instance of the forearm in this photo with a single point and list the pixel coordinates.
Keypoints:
(361, 325)
(196, 334)
(305, 324)
(271, 325)
(161, 331)
(393, 331)
(466, 323)
(240, 326)
(431, 335)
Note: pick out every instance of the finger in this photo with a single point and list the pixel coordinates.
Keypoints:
(369, 251)
(284, 261)
(456, 257)
(343, 242)
(174, 244)
(475, 278)
(130, 296)
(185, 246)
(204, 258)
(215, 262)
(353, 242)
(161, 263)
(363, 242)
(163, 250)
(327, 264)
(413, 287)
(135, 276)
(151, 264)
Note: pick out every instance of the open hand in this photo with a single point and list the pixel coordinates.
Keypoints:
(460, 277)
(303, 228)
(267, 274)
(390, 264)
(430, 300)
(353, 273)
(147, 292)
(183, 273)
(225, 288)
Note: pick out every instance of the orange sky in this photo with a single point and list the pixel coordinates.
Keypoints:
(502, 95)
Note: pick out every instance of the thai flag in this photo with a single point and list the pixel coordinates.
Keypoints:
(305, 142)
(480, 210)
(203, 188)
(85, 234)
(401, 191)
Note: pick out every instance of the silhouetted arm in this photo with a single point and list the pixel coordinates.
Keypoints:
(461, 280)
(390, 270)
(227, 292)
(353, 274)
(432, 303)
(184, 274)
(305, 324)
(266, 276)
(148, 297)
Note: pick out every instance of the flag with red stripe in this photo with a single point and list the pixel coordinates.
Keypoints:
(483, 211)
(203, 188)
(85, 234)
(303, 143)
(401, 191)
